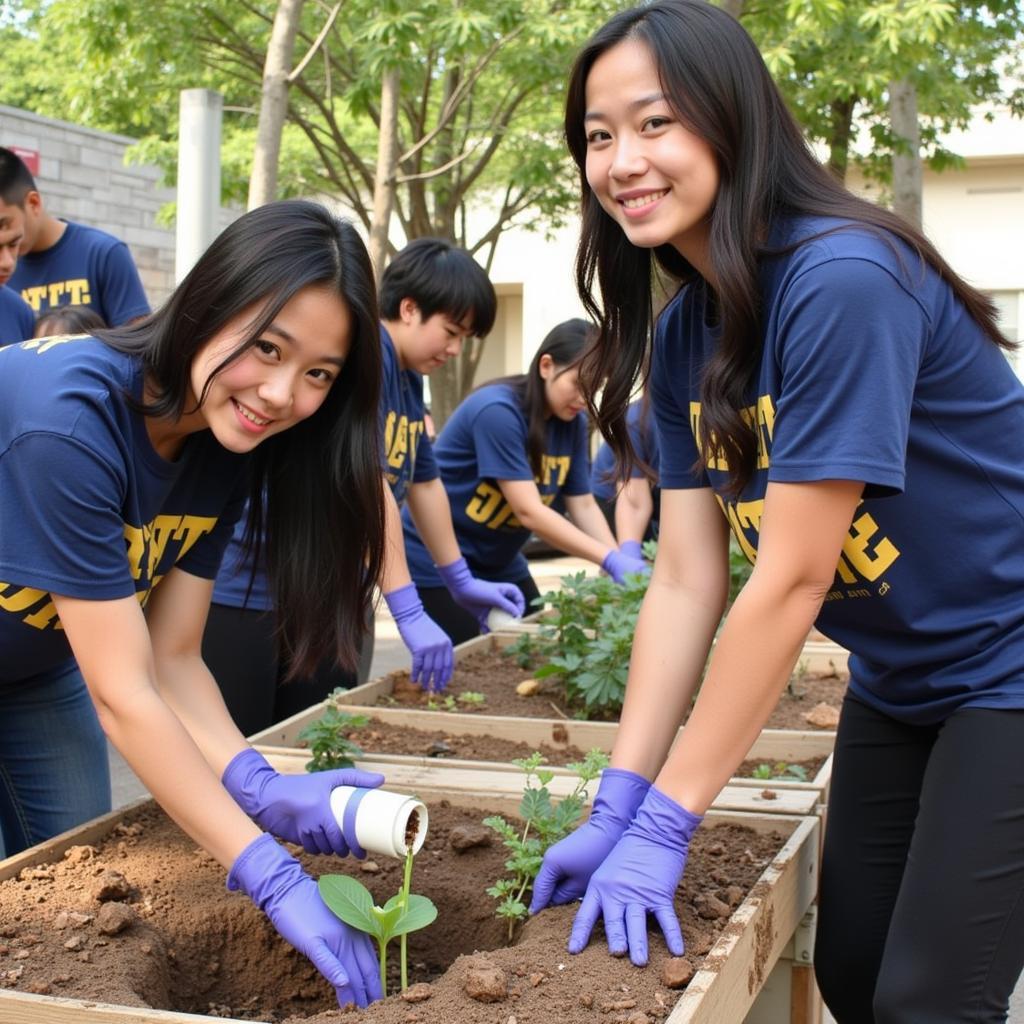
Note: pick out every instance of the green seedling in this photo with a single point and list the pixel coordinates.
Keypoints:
(328, 742)
(544, 824)
(405, 912)
(448, 704)
(780, 770)
(472, 698)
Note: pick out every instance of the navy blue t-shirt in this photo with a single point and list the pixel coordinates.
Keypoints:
(85, 267)
(87, 507)
(873, 371)
(604, 484)
(486, 441)
(16, 319)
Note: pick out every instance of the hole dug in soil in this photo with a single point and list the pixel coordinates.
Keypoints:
(187, 944)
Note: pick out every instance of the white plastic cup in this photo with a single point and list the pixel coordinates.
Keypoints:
(498, 620)
(384, 821)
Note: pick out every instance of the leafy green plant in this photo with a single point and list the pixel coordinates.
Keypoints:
(780, 770)
(405, 912)
(544, 824)
(328, 742)
(472, 698)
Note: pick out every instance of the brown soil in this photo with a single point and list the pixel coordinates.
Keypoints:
(496, 675)
(195, 947)
(382, 737)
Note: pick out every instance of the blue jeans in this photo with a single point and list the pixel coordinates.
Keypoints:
(54, 770)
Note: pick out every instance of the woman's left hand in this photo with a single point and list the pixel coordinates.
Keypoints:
(296, 808)
(638, 877)
(478, 596)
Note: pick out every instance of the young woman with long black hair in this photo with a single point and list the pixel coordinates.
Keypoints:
(512, 455)
(826, 380)
(125, 460)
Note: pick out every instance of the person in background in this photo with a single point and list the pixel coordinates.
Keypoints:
(62, 263)
(433, 296)
(827, 380)
(125, 460)
(16, 317)
(513, 453)
(66, 320)
(630, 505)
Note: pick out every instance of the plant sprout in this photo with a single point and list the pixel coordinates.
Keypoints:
(328, 742)
(405, 912)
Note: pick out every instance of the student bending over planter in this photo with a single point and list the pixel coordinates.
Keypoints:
(827, 380)
(512, 453)
(125, 459)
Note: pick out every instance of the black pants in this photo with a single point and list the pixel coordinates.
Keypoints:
(238, 648)
(454, 619)
(922, 883)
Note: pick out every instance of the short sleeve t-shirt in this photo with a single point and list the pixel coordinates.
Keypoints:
(486, 441)
(17, 321)
(604, 484)
(872, 370)
(88, 508)
(85, 267)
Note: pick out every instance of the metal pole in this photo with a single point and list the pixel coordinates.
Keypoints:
(200, 115)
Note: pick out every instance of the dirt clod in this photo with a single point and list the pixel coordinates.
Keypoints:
(486, 982)
(417, 993)
(711, 908)
(676, 972)
(110, 885)
(79, 854)
(465, 837)
(823, 715)
(75, 942)
(114, 917)
(369, 867)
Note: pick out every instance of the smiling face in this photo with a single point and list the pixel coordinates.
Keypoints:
(278, 381)
(425, 344)
(651, 175)
(561, 389)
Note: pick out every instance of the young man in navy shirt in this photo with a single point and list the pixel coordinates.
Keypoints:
(16, 319)
(62, 263)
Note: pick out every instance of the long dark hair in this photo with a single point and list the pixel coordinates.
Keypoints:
(567, 343)
(718, 86)
(321, 526)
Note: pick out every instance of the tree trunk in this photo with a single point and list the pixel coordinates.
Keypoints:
(387, 166)
(273, 103)
(839, 137)
(907, 171)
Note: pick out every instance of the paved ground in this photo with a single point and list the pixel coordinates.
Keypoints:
(388, 654)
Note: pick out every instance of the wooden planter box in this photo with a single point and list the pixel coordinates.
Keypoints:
(723, 991)
(741, 794)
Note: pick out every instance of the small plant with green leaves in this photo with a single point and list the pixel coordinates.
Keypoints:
(446, 704)
(405, 912)
(780, 770)
(544, 824)
(472, 698)
(328, 742)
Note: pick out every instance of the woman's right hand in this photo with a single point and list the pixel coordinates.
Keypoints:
(276, 883)
(568, 865)
(619, 565)
(433, 659)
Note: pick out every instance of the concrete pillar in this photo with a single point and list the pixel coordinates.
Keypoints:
(200, 114)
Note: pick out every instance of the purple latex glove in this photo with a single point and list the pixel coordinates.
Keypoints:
(431, 647)
(275, 882)
(477, 596)
(296, 808)
(639, 877)
(618, 565)
(568, 865)
(632, 548)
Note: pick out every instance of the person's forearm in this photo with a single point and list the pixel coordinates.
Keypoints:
(752, 661)
(560, 533)
(674, 631)
(586, 514)
(161, 752)
(395, 570)
(634, 507)
(432, 514)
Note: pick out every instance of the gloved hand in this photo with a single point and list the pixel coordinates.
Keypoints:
(632, 548)
(568, 865)
(431, 647)
(275, 882)
(296, 808)
(639, 877)
(618, 564)
(477, 596)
